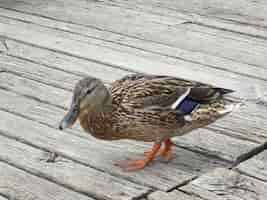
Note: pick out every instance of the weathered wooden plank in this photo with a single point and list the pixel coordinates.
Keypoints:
(239, 11)
(249, 121)
(175, 194)
(35, 89)
(149, 19)
(68, 63)
(53, 68)
(100, 155)
(205, 194)
(255, 166)
(134, 45)
(202, 140)
(227, 184)
(246, 87)
(212, 143)
(40, 73)
(35, 110)
(17, 184)
(210, 21)
(68, 173)
(172, 35)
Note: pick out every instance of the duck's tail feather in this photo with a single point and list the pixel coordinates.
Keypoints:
(223, 91)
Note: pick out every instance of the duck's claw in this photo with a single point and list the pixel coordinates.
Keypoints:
(168, 155)
(133, 165)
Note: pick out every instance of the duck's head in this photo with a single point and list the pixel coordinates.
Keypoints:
(89, 94)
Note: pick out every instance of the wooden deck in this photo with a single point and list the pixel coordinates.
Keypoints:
(47, 45)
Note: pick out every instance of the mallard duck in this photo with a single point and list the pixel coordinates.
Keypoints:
(148, 108)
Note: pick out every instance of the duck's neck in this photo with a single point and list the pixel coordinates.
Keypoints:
(98, 120)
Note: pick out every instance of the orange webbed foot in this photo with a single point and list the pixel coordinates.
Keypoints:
(133, 165)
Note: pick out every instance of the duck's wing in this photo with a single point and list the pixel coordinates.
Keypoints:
(140, 91)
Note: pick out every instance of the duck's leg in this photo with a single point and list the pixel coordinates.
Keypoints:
(167, 151)
(133, 165)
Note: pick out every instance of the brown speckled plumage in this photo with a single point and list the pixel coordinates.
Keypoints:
(141, 109)
(146, 108)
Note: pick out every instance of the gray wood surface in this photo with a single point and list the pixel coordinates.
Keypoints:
(98, 155)
(178, 36)
(19, 185)
(190, 15)
(173, 195)
(245, 87)
(206, 141)
(68, 173)
(240, 11)
(132, 45)
(255, 166)
(247, 122)
(47, 46)
(206, 194)
(228, 184)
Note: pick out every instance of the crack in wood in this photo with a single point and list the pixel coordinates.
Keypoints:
(246, 156)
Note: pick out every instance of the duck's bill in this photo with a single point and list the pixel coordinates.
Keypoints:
(69, 118)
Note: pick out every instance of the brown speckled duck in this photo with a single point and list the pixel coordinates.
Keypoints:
(148, 108)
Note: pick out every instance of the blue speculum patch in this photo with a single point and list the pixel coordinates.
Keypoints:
(187, 105)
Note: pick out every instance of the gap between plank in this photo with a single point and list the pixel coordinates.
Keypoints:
(44, 177)
(21, 140)
(250, 154)
(138, 48)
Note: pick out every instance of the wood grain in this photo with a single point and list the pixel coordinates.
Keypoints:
(140, 47)
(178, 36)
(68, 173)
(255, 166)
(211, 143)
(239, 11)
(17, 184)
(245, 87)
(175, 194)
(190, 15)
(47, 46)
(97, 155)
(228, 184)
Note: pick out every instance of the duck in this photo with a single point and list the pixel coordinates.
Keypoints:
(145, 107)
